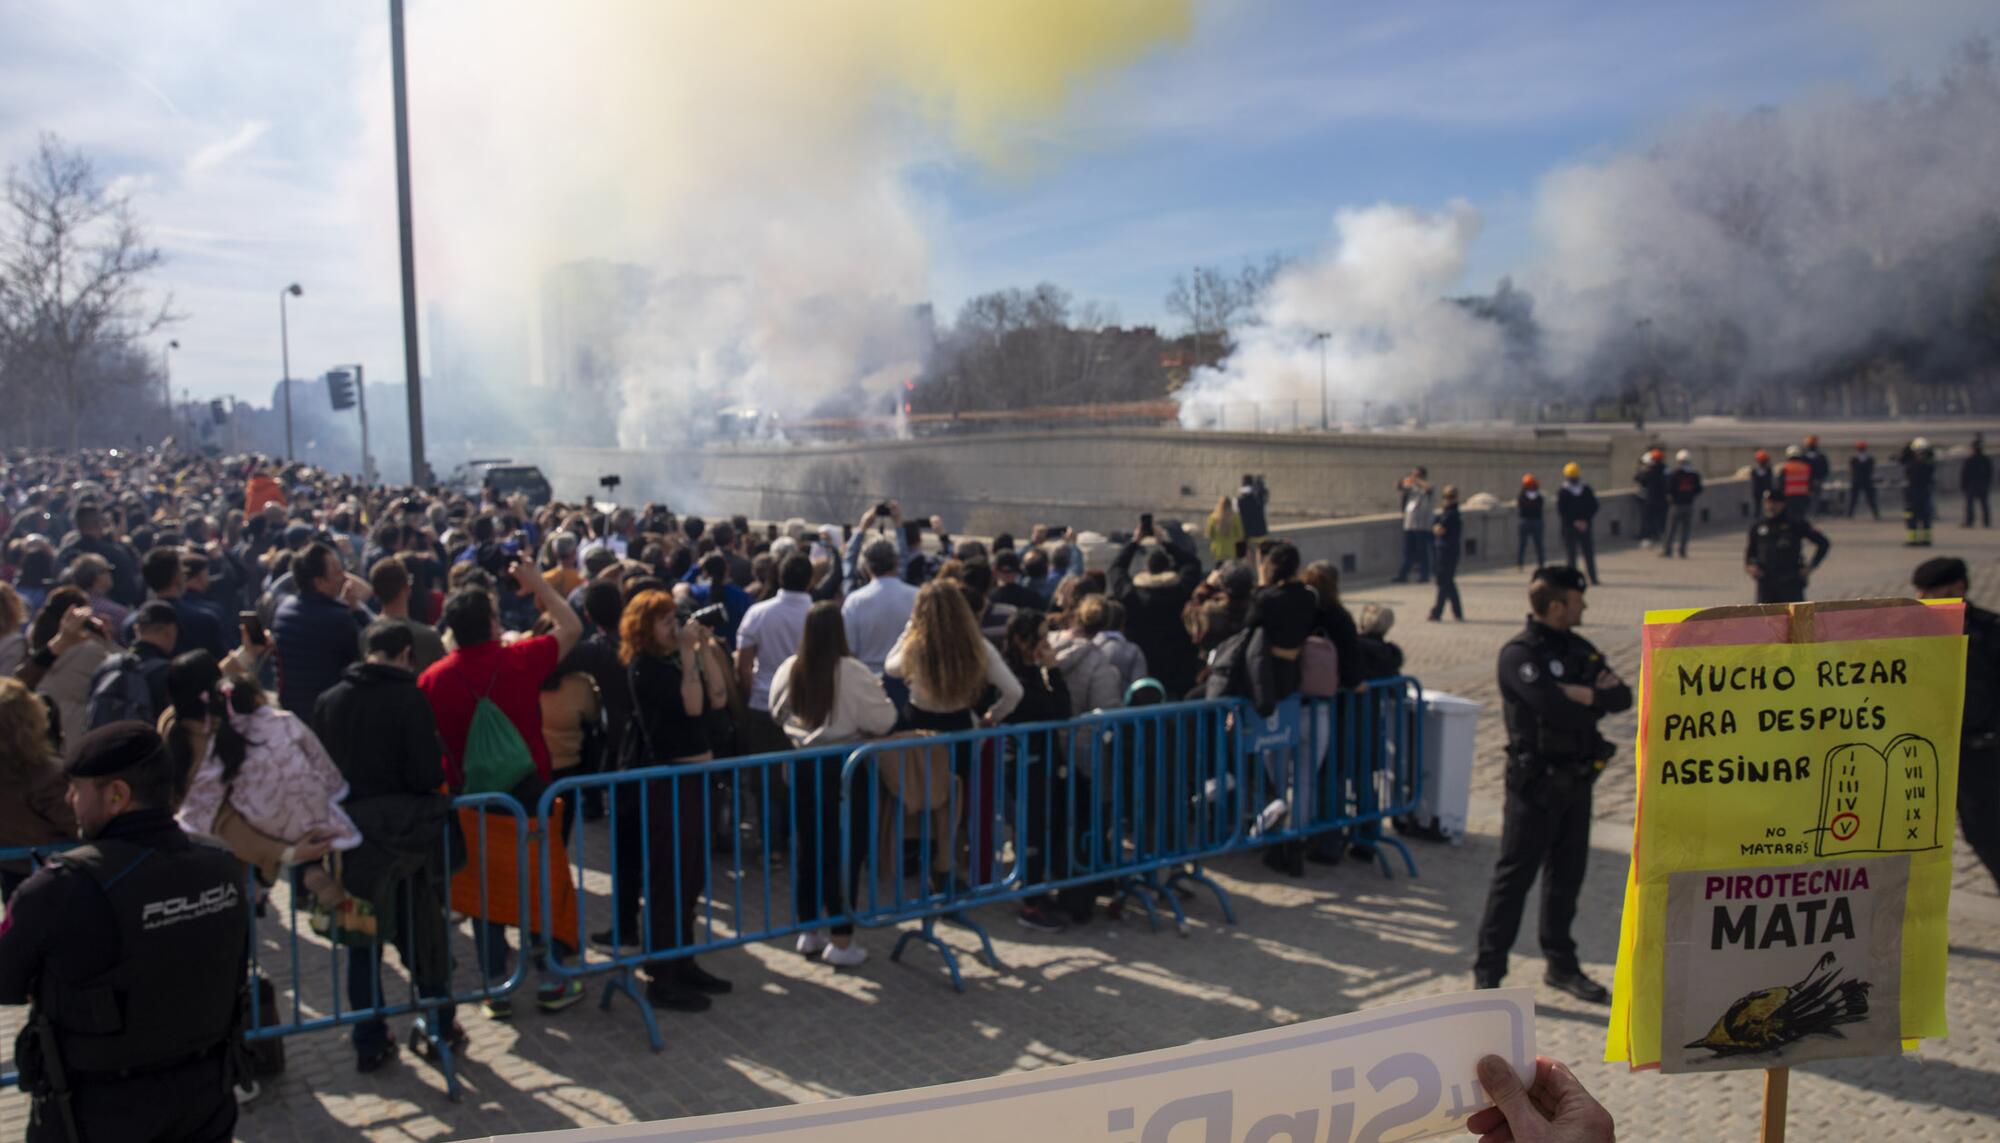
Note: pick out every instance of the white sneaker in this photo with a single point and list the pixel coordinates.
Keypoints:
(811, 942)
(847, 957)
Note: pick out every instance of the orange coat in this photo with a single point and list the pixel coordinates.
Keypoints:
(500, 900)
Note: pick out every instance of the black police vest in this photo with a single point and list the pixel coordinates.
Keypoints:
(1779, 549)
(1527, 735)
(173, 994)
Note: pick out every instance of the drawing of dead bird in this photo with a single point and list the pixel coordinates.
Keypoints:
(1769, 1019)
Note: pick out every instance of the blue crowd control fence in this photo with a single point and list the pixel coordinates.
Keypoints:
(314, 982)
(1125, 804)
(684, 877)
(1349, 762)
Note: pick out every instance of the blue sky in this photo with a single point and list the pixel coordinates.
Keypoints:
(243, 132)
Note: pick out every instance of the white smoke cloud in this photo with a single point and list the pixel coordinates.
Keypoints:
(1731, 252)
(751, 158)
(1378, 292)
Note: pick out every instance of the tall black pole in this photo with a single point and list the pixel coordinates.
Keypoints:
(412, 373)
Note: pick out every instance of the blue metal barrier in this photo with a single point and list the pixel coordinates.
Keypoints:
(282, 948)
(709, 888)
(1127, 803)
(1349, 762)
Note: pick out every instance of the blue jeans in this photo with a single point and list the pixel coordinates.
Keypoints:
(1530, 533)
(1416, 554)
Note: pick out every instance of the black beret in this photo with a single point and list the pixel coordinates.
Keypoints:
(157, 613)
(1936, 573)
(115, 748)
(1565, 579)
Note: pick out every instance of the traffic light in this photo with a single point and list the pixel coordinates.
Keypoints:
(340, 387)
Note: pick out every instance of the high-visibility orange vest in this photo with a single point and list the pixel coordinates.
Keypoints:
(1797, 477)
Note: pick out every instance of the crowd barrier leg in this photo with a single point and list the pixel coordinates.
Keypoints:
(926, 933)
(1193, 872)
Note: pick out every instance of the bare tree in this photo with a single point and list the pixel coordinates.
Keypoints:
(72, 261)
(1212, 301)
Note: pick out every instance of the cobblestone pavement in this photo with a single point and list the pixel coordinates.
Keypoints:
(1338, 939)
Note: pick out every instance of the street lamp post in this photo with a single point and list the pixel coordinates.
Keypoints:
(413, 381)
(285, 342)
(167, 380)
(1321, 337)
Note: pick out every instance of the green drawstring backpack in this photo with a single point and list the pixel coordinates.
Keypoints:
(496, 756)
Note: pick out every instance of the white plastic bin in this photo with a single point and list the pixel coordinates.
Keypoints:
(1450, 722)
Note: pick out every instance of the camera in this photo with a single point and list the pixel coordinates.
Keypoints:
(882, 509)
(609, 481)
(712, 616)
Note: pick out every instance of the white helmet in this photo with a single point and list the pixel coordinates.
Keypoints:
(1682, 457)
(1791, 452)
(1920, 444)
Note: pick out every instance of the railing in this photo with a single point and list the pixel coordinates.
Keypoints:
(480, 848)
(1123, 804)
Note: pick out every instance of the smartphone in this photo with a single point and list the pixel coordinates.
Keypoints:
(253, 628)
(712, 617)
(882, 509)
(1146, 524)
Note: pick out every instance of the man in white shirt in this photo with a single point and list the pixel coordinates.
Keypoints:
(875, 615)
(618, 535)
(769, 635)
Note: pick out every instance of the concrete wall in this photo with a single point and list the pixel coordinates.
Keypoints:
(1371, 547)
(1102, 480)
(1094, 480)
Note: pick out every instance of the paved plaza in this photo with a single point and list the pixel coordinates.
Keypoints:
(1338, 939)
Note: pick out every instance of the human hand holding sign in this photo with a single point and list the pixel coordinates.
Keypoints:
(1555, 1109)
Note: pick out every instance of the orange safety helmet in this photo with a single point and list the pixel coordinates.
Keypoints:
(1763, 457)
(1860, 446)
(1812, 440)
(1528, 480)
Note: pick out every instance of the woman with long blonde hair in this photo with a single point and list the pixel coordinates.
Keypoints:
(1225, 531)
(949, 664)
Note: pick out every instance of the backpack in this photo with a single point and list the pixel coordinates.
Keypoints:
(1319, 668)
(496, 756)
(121, 690)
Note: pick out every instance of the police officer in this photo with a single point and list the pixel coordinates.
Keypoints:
(1919, 490)
(131, 950)
(1979, 741)
(1555, 687)
(1775, 555)
(1861, 480)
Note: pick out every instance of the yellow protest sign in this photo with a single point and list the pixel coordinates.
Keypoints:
(1791, 862)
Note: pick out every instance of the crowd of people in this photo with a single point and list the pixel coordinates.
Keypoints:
(1790, 493)
(325, 663)
(308, 669)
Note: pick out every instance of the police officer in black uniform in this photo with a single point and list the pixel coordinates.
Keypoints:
(1979, 738)
(131, 949)
(1555, 687)
(1775, 557)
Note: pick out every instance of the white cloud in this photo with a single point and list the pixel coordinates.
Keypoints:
(223, 150)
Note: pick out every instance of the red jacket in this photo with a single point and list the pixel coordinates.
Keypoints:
(512, 676)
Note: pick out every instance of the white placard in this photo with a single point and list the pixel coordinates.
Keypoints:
(1399, 1072)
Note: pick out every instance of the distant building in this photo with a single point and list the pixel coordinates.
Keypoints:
(587, 309)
